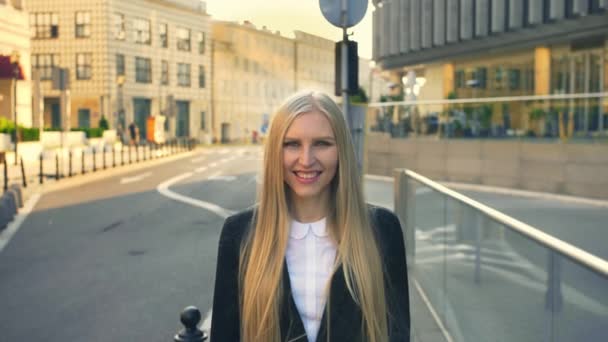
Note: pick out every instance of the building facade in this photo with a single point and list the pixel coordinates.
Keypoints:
(255, 69)
(483, 48)
(127, 61)
(15, 39)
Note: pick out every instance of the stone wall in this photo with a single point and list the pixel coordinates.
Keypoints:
(564, 168)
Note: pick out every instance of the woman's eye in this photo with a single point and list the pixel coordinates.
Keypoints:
(323, 143)
(290, 144)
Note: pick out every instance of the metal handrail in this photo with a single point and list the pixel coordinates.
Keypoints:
(575, 254)
(492, 99)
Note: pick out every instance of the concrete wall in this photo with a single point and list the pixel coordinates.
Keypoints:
(571, 169)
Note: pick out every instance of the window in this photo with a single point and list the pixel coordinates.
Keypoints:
(118, 26)
(459, 79)
(45, 63)
(84, 118)
(200, 38)
(163, 35)
(481, 75)
(120, 65)
(83, 25)
(141, 28)
(203, 123)
(44, 25)
(201, 76)
(514, 79)
(183, 39)
(143, 70)
(183, 74)
(164, 72)
(83, 66)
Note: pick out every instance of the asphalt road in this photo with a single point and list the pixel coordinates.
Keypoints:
(114, 260)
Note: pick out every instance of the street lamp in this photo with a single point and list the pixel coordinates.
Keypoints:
(16, 73)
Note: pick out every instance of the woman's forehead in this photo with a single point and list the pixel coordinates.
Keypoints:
(313, 123)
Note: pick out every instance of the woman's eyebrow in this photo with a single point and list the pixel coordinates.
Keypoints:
(315, 138)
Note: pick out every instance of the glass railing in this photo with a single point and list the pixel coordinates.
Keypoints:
(489, 277)
(547, 117)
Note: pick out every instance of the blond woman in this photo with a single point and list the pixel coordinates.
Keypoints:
(311, 261)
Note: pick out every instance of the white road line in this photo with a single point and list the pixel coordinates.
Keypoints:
(163, 188)
(201, 169)
(197, 160)
(13, 227)
(222, 178)
(206, 325)
(133, 179)
(426, 301)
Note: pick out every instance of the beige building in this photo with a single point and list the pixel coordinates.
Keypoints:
(127, 61)
(255, 69)
(14, 37)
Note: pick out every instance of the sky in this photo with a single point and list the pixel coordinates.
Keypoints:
(289, 15)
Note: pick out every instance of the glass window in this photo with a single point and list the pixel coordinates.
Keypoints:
(141, 29)
(118, 26)
(164, 73)
(459, 79)
(44, 25)
(143, 70)
(183, 74)
(514, 79)
(120, 65)
(163, 35)
(45, 63)
(83, 66)
(83, 25)
(481, 75)
(200, 38)
(201, 76)
(183, 39)
(203, 121)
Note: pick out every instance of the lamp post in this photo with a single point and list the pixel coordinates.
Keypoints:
(372, 69)
(16, 74)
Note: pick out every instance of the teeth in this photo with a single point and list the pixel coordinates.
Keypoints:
(307, 175)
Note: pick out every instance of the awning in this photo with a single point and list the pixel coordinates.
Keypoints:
(6, 68)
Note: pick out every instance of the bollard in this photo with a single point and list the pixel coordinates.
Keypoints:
(82, 163)
(113, 156)
(129, 154)
(5, 176)
(122, 155)
(41, 180)
(145, 152)
(70, 163)
(94, 164)
(23, 178)
(104, 157)
(56, 167)
(190, 317)
(137, 153)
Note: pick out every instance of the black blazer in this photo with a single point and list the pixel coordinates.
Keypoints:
(345, 316)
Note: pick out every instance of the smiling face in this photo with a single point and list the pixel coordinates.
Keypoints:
(310, 157)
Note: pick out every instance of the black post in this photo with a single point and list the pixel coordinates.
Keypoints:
(104, 157)
(82, 163)
(190, 318)
(40, 174)
(122, 155)
(129, 154)
(113, 156)
(94, 166)
(145, 158)
(70, 163)
(5, 175)
(56, 166)
(137, 153)
(23, 174)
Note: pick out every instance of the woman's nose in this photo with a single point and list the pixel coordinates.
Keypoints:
(307, 157)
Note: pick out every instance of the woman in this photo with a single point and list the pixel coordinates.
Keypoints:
(311, 262)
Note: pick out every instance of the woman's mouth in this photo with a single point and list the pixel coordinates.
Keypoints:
(307, 177)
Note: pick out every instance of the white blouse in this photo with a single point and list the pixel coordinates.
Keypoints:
(310, 259)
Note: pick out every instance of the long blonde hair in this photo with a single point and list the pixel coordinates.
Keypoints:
(263, 249)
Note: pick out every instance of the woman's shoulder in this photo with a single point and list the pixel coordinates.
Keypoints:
(384, 220)
(236, 225)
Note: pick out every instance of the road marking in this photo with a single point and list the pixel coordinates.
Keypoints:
(133, 179)
(206, 326)
(197, 160)
(163, 188)
(222, 178)
(426, 301)
(13, 227)
(201, 169)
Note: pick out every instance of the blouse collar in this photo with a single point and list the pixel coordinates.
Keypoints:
(299, 230)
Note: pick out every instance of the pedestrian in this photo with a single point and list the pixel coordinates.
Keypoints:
(311, 261)
(132, 133)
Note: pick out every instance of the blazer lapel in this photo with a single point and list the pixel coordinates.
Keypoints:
(292, 327)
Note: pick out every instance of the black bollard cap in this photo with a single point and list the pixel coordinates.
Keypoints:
(190, 318)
